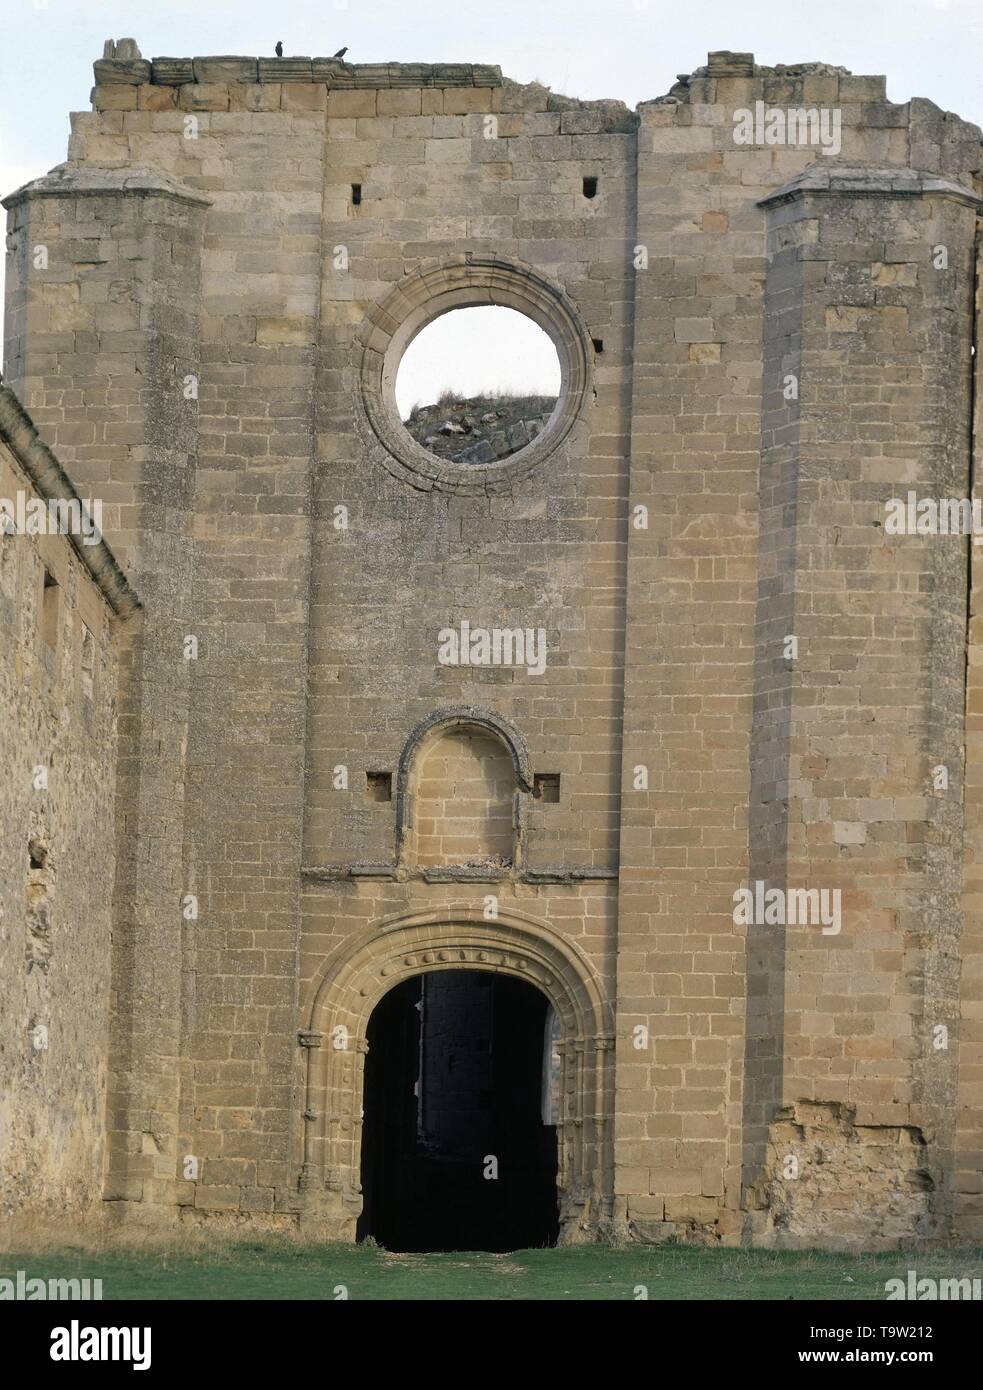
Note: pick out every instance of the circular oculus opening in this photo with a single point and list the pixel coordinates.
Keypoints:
(478, 384)
(539, 330)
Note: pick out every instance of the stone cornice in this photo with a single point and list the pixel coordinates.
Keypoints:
(79, 180)
(333, 72)
(869, 180)
(577, 873)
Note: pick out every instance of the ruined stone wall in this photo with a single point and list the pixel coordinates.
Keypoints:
(881, 626)
(214, 341)
(58, 693)
(103, 350)
(770, 515)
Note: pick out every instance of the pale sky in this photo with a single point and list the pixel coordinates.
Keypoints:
(627, 49)
(476, 351)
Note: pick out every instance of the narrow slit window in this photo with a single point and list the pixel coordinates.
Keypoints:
(49, 610)
(7, 532)
(87, 664)
(598, 345)
(590, 187)
(356, 195)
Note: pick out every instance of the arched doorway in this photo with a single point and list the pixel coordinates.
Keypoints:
(456, 939)
(458, 1138)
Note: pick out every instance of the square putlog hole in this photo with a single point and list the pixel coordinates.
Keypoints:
(379, 786)
(546, 786)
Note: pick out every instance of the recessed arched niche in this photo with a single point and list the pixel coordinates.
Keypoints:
(460, 785)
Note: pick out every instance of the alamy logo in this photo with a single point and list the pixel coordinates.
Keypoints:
(75, 1343)
(928, 1290)
(20, 1289)
(795, 125)
(788, 907)
(496, 646)
(25, 515)
(933, 516)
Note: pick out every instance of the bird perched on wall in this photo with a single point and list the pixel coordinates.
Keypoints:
(279, 50)
(340, 54)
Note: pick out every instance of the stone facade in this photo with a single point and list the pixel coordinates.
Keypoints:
(760, 342)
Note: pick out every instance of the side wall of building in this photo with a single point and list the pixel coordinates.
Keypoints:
(58, 681)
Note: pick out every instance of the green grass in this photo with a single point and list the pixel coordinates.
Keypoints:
(279, 1269)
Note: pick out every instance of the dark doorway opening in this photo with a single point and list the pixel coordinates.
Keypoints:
(458, 1137)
